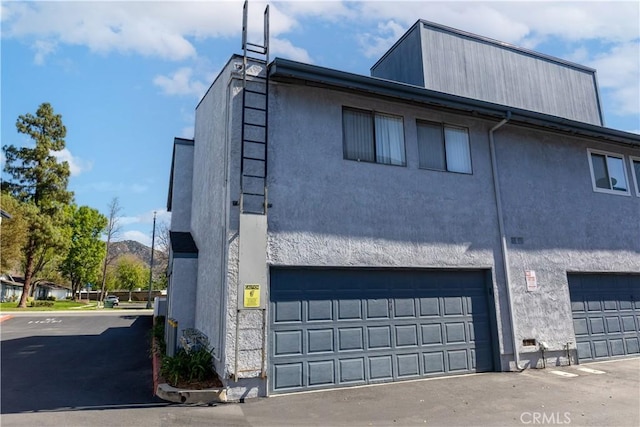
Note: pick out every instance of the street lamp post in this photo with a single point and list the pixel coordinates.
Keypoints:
(153, 240)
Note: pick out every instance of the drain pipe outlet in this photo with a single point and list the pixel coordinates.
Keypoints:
(503, 237)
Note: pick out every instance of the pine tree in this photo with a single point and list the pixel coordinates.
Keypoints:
(40, 182)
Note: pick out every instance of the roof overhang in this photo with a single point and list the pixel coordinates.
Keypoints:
(296, 72)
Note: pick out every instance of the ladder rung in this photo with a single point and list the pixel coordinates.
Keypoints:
(255, 124)
(255, 91)
(254, 176)
(247, 211)
(254, 158)
(254, 141)
(263, 51)
(255, 108)
(253, 194)
(255, 45)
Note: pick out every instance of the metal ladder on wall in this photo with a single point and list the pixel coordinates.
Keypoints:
(255, 115)
(253, 181)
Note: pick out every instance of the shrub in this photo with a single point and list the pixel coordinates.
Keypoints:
(157, 332)
(195, 365)
(40, 304)
(51, 298)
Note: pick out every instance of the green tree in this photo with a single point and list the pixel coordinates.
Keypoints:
(13, 234)
(82, 263)
(40, 182)
(131, 273)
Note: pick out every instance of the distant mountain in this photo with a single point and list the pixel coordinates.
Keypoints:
(137, 249)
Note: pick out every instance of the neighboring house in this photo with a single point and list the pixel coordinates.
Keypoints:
(358, 231)
(12, 289)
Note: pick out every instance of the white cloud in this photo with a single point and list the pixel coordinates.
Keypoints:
(136, 235)
(188, 132)
(146, 217)
(43, 48)
(374, 45)
(284, 48)
(76, 164)
(619, 72)
(181, 82)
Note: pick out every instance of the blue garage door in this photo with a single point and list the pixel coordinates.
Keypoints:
(606, 314)
(344, 327)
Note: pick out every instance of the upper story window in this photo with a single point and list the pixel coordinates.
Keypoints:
(443, 147)
(635, 170)
(373, 137)
(608, 174)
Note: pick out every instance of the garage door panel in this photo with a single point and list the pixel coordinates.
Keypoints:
(288, 343)
(378, 308)
(408, 365)
(609, 327)
(288, 376)
(628, 324)
(433, 362)
(349, 309)
(320, 341)
(381, 368)
(375, 326)
(633, 345)
(404, 307)
(431, 334)
(458, 360)
(321, 373)
(429, 307)
(454, 333)
(351, 370)
(288, 311)
(350, 339)
(319, 310)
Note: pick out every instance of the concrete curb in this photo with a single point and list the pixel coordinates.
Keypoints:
(172, 394)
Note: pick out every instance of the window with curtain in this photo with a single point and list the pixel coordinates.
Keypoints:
(608, 173)
(373, 137)
(443, 147)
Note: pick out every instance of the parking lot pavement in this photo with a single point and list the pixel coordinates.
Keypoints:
(596, 394)
(533, 397)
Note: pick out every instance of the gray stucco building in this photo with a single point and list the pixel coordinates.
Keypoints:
(461, 210)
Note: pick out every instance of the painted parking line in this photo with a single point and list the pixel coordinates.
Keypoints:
(5, 317)
(564, 374)
(591, 371)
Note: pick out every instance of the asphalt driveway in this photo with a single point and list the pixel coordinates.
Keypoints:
(58, 371)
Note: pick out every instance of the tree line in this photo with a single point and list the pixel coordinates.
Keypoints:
(50, 237)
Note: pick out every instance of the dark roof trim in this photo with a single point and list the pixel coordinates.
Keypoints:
(176, 141)
(183, 245)
(287, 70)
(5, 214)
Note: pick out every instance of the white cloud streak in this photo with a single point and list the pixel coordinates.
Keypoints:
(76, 164)
(180, 82)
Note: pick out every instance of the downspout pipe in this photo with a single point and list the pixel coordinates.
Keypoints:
(503, 237)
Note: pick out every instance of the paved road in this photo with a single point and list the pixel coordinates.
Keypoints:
(605, 394)
(75, 361)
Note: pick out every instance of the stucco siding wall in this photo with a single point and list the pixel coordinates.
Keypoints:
(182, 292)
(181, 194)
(210, 209)
(328, 211)
(565, 226)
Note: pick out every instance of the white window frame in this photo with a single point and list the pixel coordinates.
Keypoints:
(593, 179)
(636, 179)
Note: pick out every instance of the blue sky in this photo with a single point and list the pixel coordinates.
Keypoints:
(127, 76)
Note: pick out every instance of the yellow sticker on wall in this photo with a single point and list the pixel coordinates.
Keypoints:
(252, 296)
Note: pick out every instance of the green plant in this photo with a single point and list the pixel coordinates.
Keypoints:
(51, 298)
(41, 304)
(157, 335)
(195, 365)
